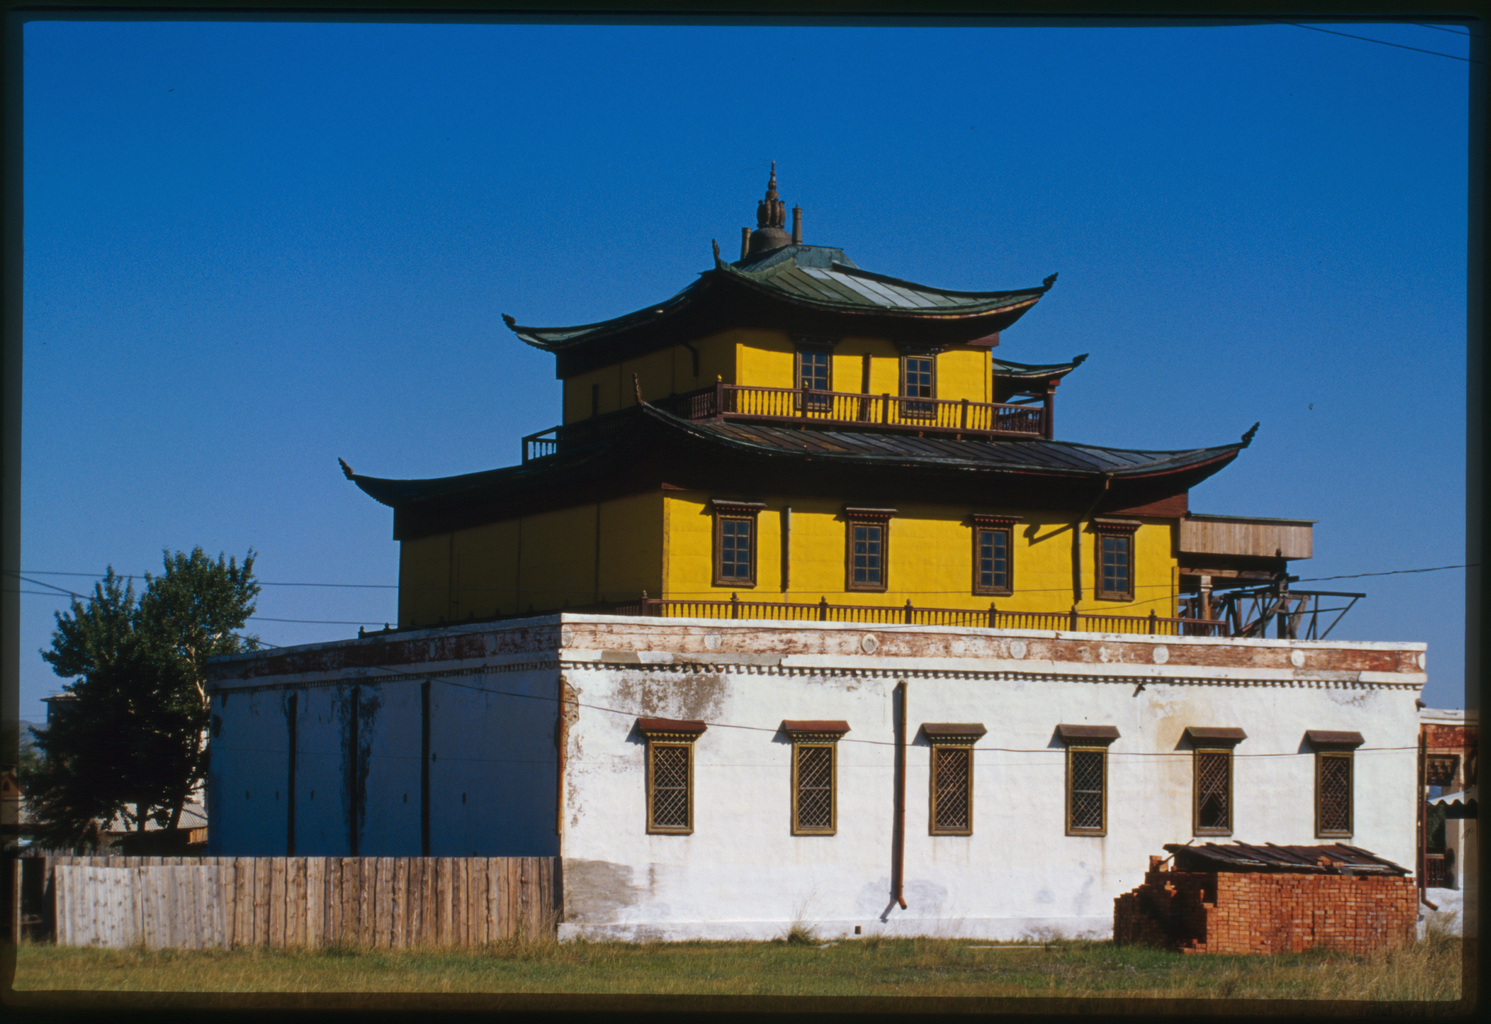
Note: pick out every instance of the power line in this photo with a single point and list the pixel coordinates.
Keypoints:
(1441, 28)
(1390, 572)
(1381, 42)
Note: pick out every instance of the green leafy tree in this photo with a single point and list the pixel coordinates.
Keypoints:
(130, 741)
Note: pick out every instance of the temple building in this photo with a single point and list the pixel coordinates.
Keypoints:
(792, 436)
(804, 613)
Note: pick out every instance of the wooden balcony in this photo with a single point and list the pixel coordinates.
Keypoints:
(978, 618)
(859, 411)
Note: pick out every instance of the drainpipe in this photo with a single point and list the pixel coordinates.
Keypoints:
(898, 851)
(1077, 542)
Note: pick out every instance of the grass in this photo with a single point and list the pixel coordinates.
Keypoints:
(1425, 972)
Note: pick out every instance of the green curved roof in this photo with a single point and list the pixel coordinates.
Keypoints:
(819, 278)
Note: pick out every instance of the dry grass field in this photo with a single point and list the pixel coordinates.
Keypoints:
(1425, 977)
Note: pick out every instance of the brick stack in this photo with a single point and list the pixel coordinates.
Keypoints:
(1265, 912)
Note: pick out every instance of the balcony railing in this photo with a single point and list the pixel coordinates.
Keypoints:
(802, 405)
(907, 614)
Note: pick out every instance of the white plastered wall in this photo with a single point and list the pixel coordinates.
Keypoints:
(743, 874)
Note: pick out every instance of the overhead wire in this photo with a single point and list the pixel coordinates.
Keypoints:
(703, 594)
(1381, 42)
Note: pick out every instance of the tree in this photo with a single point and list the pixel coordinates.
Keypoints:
(130, 742)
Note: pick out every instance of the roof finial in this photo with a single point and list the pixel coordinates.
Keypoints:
(1247, 438)
(771, 212)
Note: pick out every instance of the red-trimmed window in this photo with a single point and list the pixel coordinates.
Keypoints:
(815, 773)
(735, 542)
(1115, 558)
(993, 554)
(867, 546)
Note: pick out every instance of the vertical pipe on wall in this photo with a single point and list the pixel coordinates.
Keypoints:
(898, 850)
(291, 709)
(786, 548)
(560, 739)
(424, 768)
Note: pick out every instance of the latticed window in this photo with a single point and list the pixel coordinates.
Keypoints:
(1086, 787)
(1333, 794)
(670, 773)
(813, 786)
(952, 790)
(670, 787)
(1213, 792)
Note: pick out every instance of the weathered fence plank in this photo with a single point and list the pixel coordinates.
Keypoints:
(442, 901)
(459, 880)
(194, 903)
(315, 901)
(478, 901)
(261, 901)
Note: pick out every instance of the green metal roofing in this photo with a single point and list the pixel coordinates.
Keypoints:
(1041, 371)
(815, 276)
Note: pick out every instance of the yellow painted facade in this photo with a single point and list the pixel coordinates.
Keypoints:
(663, 543)
(604, 552)
(760, 358)
(929, 558)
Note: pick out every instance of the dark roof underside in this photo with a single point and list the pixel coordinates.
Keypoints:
(649, 433)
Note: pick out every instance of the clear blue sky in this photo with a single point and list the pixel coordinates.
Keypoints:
(252, 248)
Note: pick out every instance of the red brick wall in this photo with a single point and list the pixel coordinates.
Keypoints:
(1229, 912)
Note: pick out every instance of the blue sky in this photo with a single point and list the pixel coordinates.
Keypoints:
(252, 248)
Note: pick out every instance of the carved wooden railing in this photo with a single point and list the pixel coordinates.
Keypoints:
(799, 405)
(978, 618)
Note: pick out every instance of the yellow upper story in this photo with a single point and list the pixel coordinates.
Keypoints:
(697, 546)
(772, 359)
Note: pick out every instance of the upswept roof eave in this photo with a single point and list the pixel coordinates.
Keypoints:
(386, 491)
(585, 333)
(1036, 371)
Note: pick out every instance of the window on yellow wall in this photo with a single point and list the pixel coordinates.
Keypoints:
(867, 536)
(919, 380)
(735, 542)
(814, 372)
(1115, 558)
(993, 554)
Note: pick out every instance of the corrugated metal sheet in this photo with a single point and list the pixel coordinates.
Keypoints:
(818, 274)
(1034, 453)
(1336, 859)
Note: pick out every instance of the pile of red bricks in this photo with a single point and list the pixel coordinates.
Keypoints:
(1242, 912)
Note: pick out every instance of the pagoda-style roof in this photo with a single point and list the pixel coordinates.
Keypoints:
(802, 289)
(644, 448)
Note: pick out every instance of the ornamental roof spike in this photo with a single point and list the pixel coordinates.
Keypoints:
(771, 212)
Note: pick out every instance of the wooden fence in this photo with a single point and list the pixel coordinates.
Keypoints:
(382, 902)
